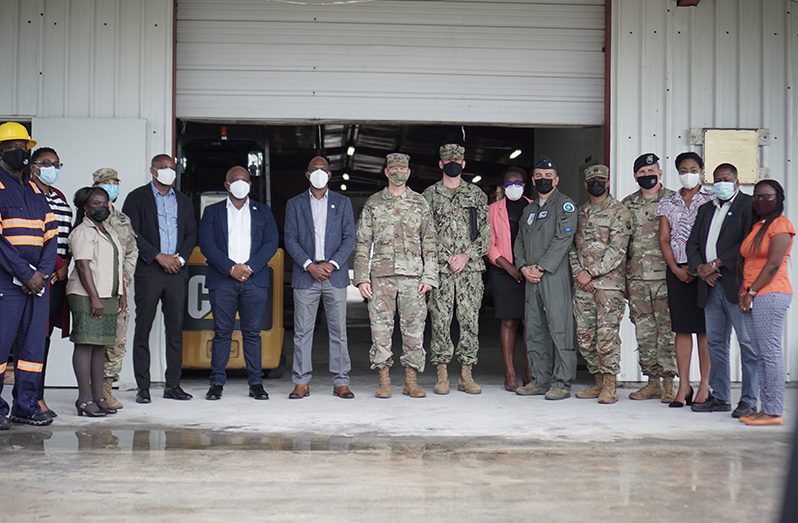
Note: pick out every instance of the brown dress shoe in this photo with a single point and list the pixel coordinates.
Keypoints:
(343, 391)
(300, 391)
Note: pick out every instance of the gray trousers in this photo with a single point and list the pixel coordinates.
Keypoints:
(306, 305)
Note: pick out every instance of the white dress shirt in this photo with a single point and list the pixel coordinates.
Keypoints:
(721, 211)
(318, 210)
(239, 232)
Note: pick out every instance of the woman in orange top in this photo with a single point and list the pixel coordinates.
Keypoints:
(766, 294)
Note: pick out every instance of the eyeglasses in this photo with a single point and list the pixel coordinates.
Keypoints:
(48, 163)
(764, 196)
(517, 183)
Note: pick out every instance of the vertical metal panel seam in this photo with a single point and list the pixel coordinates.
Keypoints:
(142, 68)
(739, 40)
(668, 94)
(642, 46)
(40, 62)
(117, 28)
(716, 110)
(93, 64)
(65, 50)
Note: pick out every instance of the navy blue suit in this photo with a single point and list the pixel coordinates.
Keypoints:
(228, 296)
(300, 242)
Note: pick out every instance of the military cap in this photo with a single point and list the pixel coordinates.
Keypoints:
(597, 171)
(644, 160)
(397, 160)
(452, 151)
(545, 163)
(104, 174)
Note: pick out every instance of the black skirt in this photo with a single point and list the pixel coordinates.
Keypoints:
(686, 316)
(508, 294)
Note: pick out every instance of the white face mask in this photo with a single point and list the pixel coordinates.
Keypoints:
(239, 189)
(689, 180)
(514, 192)
(166, 176)
(319, 178)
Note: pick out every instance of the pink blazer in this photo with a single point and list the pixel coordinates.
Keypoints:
(500, 244)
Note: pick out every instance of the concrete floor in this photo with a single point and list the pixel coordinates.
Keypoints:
(492, 457)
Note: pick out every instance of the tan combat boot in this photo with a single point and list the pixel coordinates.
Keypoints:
(593, 391)
(530, 389)
(442, 385)
(668, 394)
(384, 390)
(608, 394)
(411, 387)
(467, 383)
(652, 390)
(108, 387)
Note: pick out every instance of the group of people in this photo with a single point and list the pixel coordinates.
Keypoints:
(691, 262)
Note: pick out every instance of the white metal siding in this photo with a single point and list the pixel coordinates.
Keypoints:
(511, 62)
(89, 59)
(725, 64)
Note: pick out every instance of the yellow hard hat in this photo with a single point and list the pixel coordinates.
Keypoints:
(15, 131)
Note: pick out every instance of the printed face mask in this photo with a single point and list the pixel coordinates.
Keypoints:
(17, 159)
(398, 177)
(647, 182)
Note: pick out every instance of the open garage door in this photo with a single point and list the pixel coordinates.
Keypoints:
(528, 63)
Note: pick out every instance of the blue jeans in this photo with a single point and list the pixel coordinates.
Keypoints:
(249, 301)
(721, 315)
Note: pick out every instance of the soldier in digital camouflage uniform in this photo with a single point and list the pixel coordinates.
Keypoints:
(460, 211)
(645, 283)
(395, 263)
(598, 260)
(108, 179)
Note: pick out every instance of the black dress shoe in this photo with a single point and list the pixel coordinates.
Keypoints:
(39, 419)
(712, 404)
(257, 392)
(143, 396)
(176, 393)
(744, 409)
(5, 424)
(214, 393)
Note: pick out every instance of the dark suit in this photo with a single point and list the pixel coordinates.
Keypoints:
(228, 296)
(300, 242)
(720, 303)
(153, 285)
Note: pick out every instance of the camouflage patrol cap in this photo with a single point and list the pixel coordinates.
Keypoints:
(452, 151)
(597, 171)
(104, 174)
(397, 160)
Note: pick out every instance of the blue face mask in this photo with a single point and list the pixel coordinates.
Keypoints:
(112, 190)
(723, 190)
(49, 175)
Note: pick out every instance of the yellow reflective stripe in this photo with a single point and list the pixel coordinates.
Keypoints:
(49, 217)
(25, 240)
(22, 222)
(2, 186)
(35, 188)
(3, 367)
(29, 366)
(49, 235)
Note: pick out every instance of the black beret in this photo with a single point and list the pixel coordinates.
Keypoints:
(644, 160)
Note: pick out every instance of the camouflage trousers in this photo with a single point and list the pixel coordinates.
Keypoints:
(648, 310)
(598, 322)
(464, 289)
(116, 353)
(390, 292)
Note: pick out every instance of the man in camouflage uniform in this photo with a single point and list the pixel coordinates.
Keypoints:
(460, 211)
(395, 261)
(108, 179)
(598, 263)
(645, 283)
(541, 254)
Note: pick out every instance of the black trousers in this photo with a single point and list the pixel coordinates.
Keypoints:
(153, 287)
(57, 298)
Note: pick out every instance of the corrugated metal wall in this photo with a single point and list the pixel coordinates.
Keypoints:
(723, 64)
(89, 59)
(511, 62)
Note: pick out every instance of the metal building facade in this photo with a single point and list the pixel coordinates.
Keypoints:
(723, 64)
(506, 62)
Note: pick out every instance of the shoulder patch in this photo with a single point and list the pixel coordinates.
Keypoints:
(568, 230)
(530, 218)
(568, 207)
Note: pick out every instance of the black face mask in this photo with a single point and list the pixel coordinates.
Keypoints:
(596, 188)
(452, 169)
(647, 182)
(99, 214)
(544, 185)
(17, 159)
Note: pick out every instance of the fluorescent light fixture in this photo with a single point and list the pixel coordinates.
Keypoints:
(345, 176)
(343, 186)
(515, 154)
(350, 151)
(476, 179)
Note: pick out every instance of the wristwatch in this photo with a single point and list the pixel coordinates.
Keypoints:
(751, 292)
(713, 265)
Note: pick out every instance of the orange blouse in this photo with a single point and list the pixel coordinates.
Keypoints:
(755, 261)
